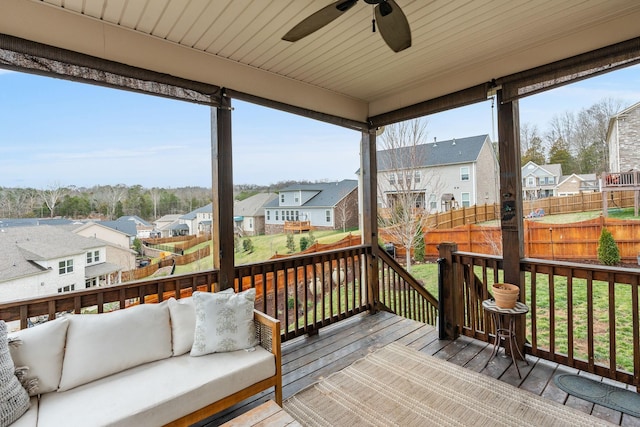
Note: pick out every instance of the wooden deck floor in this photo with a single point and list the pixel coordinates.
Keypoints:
(308, 359)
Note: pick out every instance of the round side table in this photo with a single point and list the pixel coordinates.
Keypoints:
(504, 321)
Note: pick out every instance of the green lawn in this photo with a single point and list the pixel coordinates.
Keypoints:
(264, 247)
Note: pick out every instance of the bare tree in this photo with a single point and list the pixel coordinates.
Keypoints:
(404, 183)
(155, 199)
(51, 195)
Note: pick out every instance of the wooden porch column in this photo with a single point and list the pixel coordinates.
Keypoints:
(511, 214)
(450, 301)
(369, 211)
(222, 197)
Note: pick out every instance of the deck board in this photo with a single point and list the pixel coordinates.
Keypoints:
(306, 360)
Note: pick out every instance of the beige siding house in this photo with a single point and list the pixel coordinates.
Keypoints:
(441, 175)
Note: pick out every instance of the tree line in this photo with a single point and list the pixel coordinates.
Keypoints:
(113, 201)
(105, 201)
(575, 140)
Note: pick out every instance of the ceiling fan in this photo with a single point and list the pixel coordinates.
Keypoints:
(390, 19)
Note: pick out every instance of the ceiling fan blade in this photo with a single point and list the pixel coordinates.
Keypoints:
(393, 25)
(318, 20)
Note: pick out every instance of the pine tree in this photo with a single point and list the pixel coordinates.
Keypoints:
(608, 252)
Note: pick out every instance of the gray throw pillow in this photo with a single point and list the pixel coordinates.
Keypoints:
(14, 400)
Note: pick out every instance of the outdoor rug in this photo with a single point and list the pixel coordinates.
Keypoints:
(598, 392)
(398, 386)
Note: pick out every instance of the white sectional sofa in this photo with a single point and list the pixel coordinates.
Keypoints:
(152, 364)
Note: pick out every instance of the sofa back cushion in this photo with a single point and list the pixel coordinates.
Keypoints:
(42, 351)
(183, 324)
(99, 345)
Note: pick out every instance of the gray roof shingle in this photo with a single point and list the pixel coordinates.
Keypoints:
(439, 153)
(22, 246)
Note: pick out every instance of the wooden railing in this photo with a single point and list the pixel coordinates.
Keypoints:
(628, 179)
(583, 316)
(304, 292)
(402, 294)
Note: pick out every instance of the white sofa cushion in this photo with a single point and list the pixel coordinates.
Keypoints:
(183, 324)
(103, 344)
(156, 393)
(42, 350)
(224, 322)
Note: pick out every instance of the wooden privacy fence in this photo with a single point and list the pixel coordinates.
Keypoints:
(574, 241)
(550, 205)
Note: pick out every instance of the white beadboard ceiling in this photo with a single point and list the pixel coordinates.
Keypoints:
(342, 69)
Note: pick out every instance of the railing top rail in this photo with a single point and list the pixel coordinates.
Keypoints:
(362, 249)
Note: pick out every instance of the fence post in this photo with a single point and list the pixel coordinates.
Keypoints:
(449, 293)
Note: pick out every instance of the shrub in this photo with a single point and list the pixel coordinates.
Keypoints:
(608, 252)
(304, 243)
(291, 244)
(247, 245)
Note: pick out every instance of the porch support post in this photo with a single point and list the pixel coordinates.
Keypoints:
(511, 215)
(369, 212)
(450, 301)
(222, 197)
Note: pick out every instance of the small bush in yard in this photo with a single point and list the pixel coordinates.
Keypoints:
(247, 245)
(608, 252)
(291, 244)
(304, 243)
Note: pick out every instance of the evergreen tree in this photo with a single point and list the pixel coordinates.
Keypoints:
(559, 154)
(608, 252)
(291, 244)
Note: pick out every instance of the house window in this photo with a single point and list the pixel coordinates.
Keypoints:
(269, 215)
(91, 283)
(282, 215)
(66, 288)
(531, 181)
(276, 215)
(433, 201)
(250, 223)
(297, 215)
(400, 177)
(296, 199)
(282, 198)
(65, 267)
(328, 215)
(417, 176)
(466, 200)
(464, 173)
(392, 178)
(93, 257)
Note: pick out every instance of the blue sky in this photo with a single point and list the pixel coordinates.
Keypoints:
(55, 132)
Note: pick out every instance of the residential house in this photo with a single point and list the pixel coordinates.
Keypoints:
(576, 184)
(326, 205)
(162, 225)
(118, 243)
(45, 260)
(248, 214)
(196, 222)
(126, 227)
(623, 139)
(540, 181)
(143, 228)
(440, 175)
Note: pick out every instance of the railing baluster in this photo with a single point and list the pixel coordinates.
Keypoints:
(612, 326)
(590, 328)
(570, 322)
(552, 312)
